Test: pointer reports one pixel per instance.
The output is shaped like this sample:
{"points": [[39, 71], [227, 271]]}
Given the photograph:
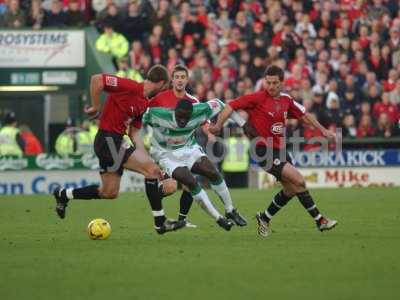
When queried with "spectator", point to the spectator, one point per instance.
{"points": [[162, 16], [333, 114], [55, 17], [112, 42], [74, 15], [376, 63], [373, 94], [136, 55], [350, 104], [109, 15], [125, 71], [385, 107], [371, 80], [32, 143], [349, 127], [394, 95], [305, 25], [384, 127], [135, 25], [14, 17], [390, 84], [36, 15], [365, 129], [194, 28]]}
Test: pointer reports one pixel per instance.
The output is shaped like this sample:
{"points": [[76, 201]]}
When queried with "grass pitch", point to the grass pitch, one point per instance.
{"points": [[43, 257]]}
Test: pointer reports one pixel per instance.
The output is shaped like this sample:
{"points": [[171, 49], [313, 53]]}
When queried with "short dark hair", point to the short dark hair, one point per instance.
{"points": [[274, 71], [158, 73], [184, 104], [9, 118], [180, 68]]}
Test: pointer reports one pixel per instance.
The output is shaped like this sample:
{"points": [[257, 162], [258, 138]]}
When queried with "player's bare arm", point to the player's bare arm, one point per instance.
{"points": [[222, 117], [96, 87], [310, 119]]}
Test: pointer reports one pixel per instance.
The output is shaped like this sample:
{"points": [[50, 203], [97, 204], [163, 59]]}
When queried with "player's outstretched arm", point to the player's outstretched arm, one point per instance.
{"points": [[96, 87], [222, 117], [310, 119]]}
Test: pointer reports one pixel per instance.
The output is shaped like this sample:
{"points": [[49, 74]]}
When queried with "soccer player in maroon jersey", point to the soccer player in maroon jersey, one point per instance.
{"points": [[268, 110], [203, 166], [126, 102]]}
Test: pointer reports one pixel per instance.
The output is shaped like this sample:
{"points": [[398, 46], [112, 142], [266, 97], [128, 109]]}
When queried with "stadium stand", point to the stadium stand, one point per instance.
{"points": [[341, 57]]}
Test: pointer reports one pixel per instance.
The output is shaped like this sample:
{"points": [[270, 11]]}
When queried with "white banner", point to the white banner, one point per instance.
{"points": [[44, 48], [44, 182], [340, 177]]}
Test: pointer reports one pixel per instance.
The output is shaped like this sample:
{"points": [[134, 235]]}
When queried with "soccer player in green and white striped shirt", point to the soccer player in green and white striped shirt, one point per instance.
{"points": [[175, 149]]}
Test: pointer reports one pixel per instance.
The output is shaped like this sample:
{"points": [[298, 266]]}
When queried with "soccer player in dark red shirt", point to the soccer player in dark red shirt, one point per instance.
{"points": [[203, 166], [268, 110], [126, 103]]}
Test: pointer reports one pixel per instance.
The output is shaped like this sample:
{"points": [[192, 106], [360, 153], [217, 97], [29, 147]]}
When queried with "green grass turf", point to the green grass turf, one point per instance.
{"points": [[42, 257]]}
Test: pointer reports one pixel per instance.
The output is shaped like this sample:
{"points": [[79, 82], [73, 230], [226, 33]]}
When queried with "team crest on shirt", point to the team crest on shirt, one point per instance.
{"points": [[111, 81], [213, 104], [277, 128]]}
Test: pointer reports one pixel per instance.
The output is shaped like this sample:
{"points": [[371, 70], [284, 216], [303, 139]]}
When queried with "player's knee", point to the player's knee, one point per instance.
{"points": [[153, 171]]}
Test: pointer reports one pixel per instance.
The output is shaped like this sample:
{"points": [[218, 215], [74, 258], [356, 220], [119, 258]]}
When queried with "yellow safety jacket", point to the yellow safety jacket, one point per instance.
{"points": [[8, 141], [237, 158], [117, 45], [65, 143], [93, 128], [130, 74]]}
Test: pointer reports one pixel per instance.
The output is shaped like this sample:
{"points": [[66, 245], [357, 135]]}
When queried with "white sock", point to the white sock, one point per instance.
{"points": [[205, 203], [69, 193], [223, 193]]}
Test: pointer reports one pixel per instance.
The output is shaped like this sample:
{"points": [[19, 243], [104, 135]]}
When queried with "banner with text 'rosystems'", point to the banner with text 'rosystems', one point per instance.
{"points": [[44, 48]]}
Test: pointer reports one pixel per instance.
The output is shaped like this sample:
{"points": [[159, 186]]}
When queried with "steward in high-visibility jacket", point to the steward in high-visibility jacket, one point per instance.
{"points": [[125, 71], [74, 142], [11, 142], [237, 158], [236, 162], [8, 141], [112, 42]]}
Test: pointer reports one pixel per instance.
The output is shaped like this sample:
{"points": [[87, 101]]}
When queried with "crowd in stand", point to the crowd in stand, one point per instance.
{"points": [[342, 58]]}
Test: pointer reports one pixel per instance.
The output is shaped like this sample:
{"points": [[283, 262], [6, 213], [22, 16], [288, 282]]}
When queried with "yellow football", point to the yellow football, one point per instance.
{"points": [[99, 229]]}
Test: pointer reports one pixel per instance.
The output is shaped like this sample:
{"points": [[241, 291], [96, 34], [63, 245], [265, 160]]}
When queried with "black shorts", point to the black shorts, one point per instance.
{"points": [[274, 164], [105, 144]]}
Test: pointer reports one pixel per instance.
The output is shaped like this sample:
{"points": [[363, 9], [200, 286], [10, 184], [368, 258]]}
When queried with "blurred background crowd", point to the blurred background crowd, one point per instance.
{"points": [[342, 58]]}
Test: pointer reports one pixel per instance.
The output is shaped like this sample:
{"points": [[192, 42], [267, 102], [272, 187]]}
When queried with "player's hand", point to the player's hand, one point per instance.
{"points": [[214, 129], [330, 135], [92, 112]]}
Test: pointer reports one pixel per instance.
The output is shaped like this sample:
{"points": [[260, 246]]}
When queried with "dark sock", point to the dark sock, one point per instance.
{"points": [[185, 205], [153, 194], [279, 201], [308, 203], [84, 193]]}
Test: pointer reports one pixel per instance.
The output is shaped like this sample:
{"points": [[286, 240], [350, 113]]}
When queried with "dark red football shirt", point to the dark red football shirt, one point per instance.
{"points": [[124, 106], [268, 115], [168, 99]]}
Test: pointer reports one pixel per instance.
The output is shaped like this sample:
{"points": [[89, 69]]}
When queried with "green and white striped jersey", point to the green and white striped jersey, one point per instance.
{"points": [[167, 134]]}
